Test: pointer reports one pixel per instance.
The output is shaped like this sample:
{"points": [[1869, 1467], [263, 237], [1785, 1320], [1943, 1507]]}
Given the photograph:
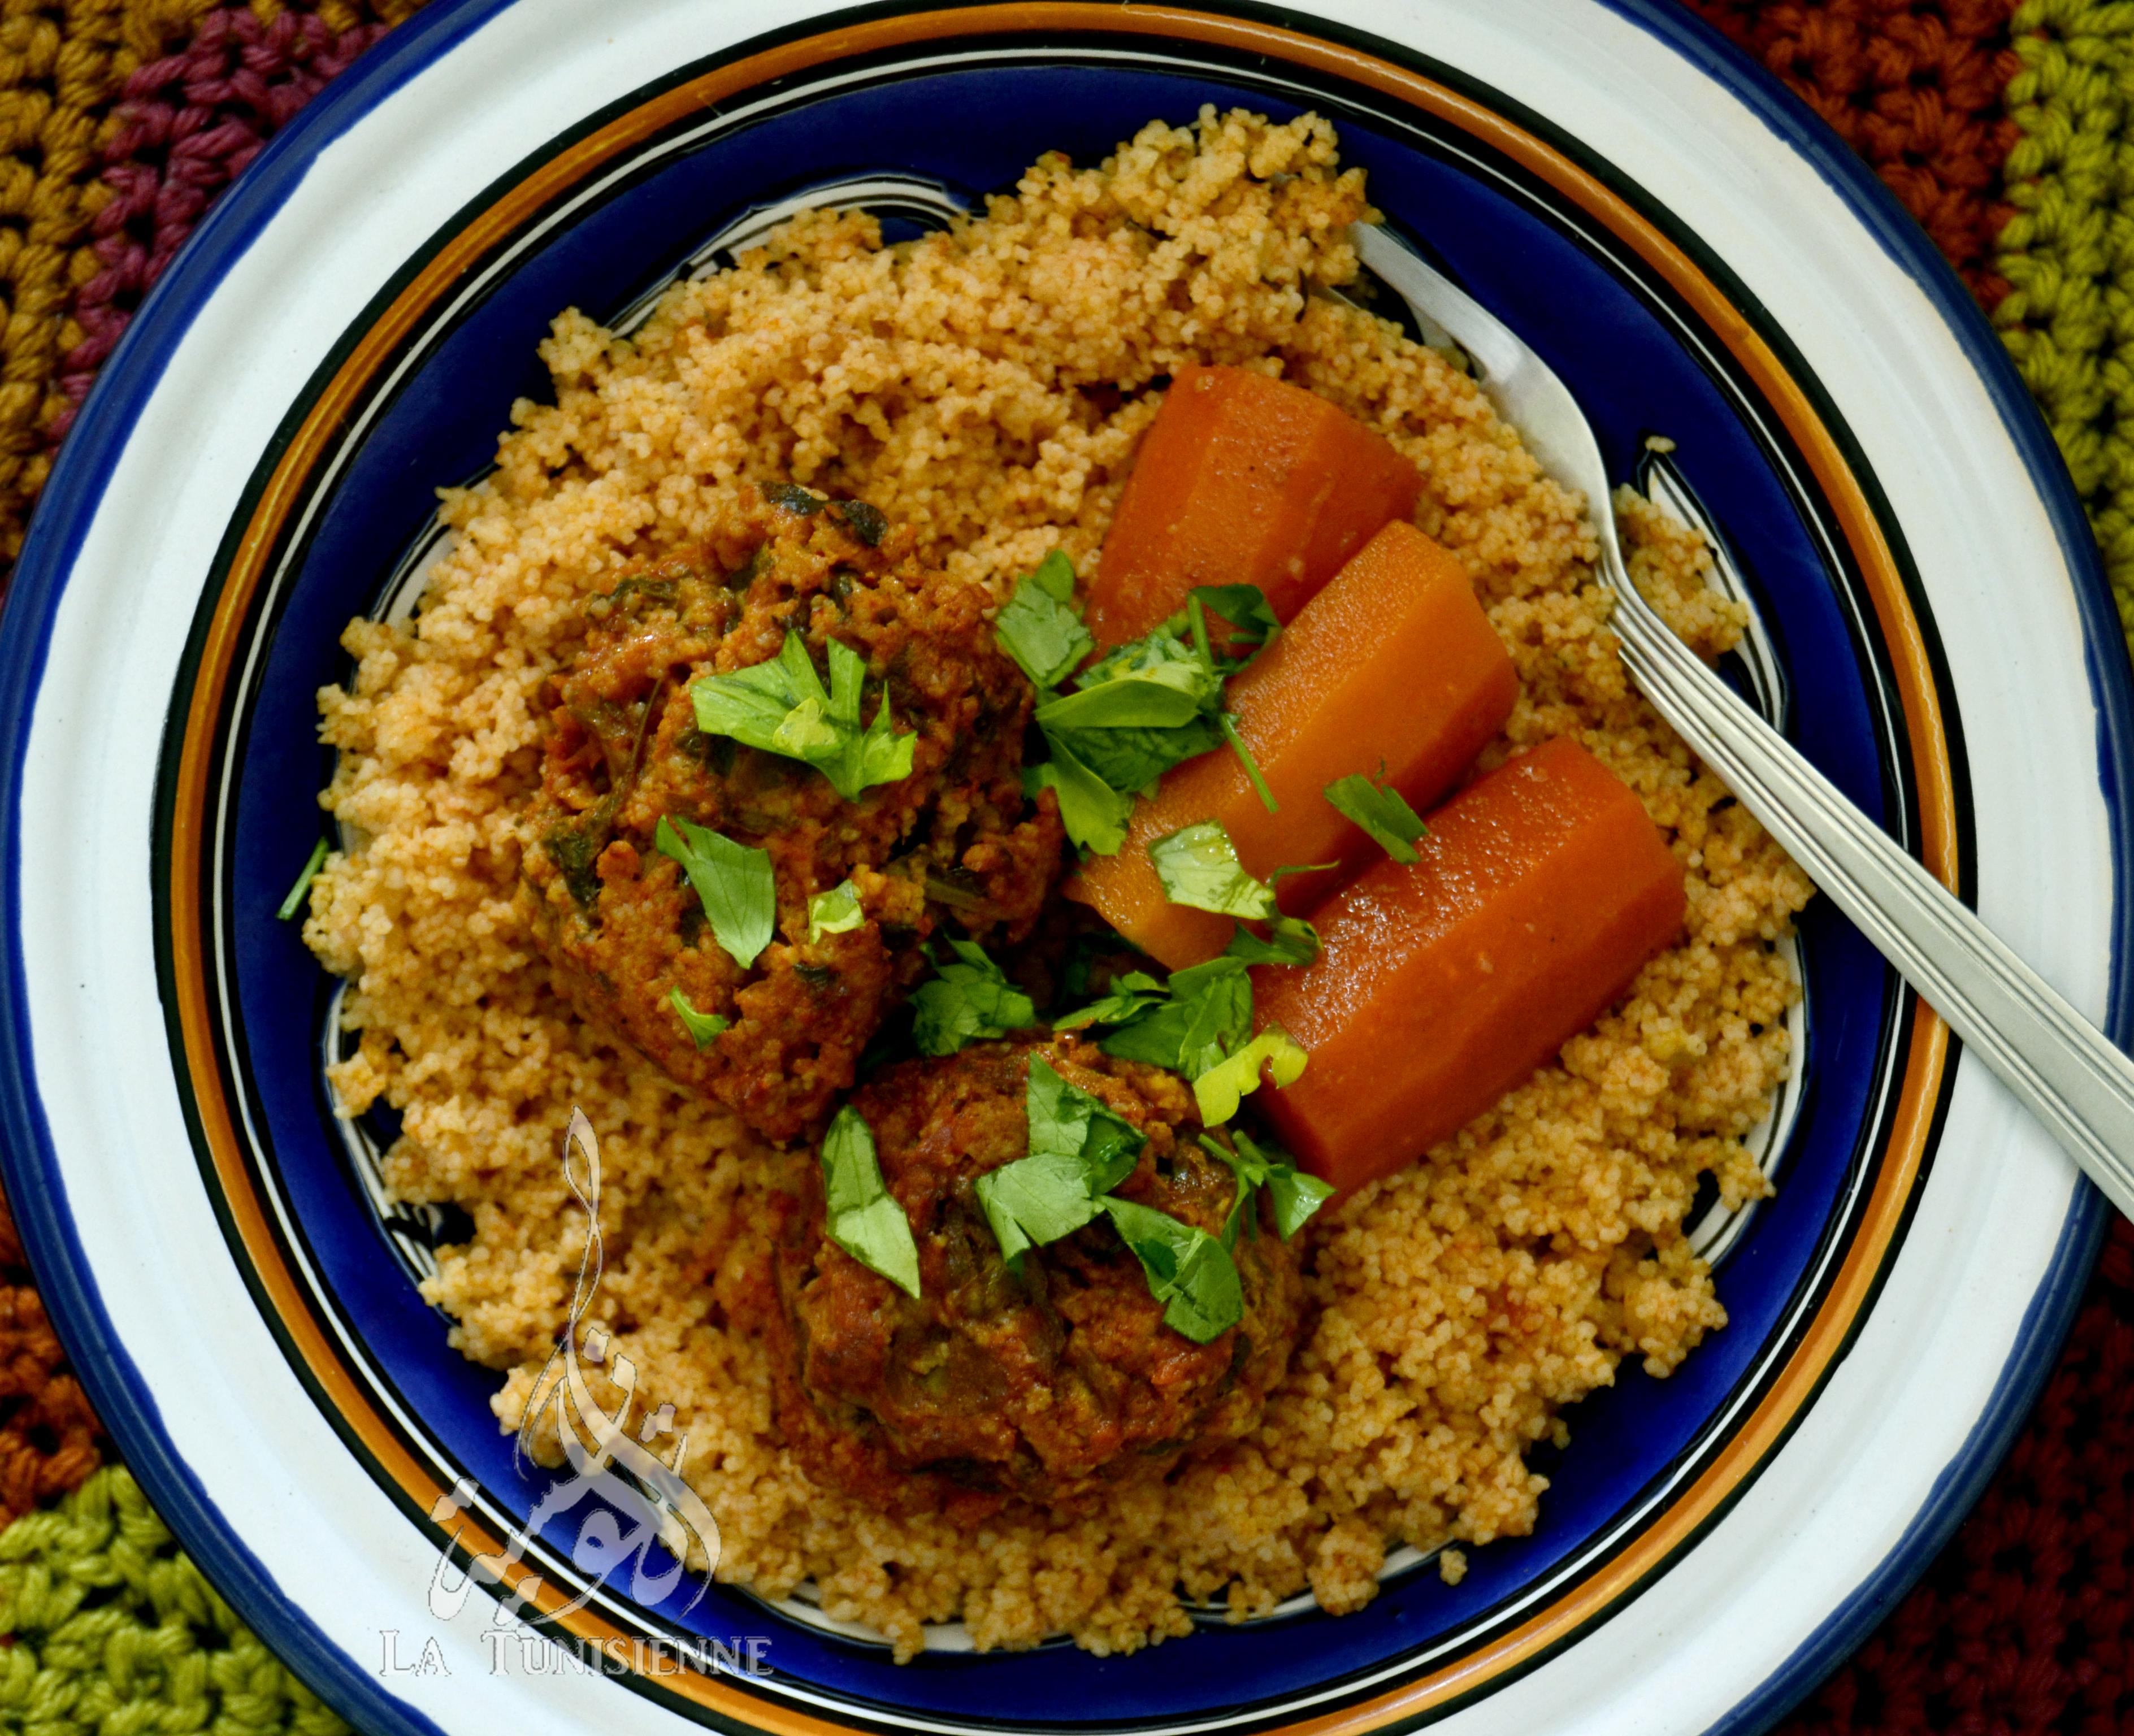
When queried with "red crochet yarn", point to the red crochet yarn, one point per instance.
{"points": [[188, 124], [1915, 88]]}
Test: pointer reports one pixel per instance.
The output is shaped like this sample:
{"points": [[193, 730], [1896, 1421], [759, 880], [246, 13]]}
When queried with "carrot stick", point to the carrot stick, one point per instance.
{"points": [[1393, 668], [1542, 891], [1241, 480]]}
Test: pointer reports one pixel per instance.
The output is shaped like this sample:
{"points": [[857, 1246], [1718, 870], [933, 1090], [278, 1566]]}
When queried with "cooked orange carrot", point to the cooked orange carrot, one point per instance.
{"points": [[1241, 480], [1543, 890], [1393, 665]]}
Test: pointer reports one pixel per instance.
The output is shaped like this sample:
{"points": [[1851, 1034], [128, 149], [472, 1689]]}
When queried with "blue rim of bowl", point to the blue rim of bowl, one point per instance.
{"points": [[75, 493]]}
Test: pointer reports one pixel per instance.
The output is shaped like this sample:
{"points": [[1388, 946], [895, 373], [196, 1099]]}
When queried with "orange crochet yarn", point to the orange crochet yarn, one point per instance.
{"points": [[50, 1441]]}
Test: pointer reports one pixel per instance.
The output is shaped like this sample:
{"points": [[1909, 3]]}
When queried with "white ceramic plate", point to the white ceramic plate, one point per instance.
{"points": [[254, 1354]]}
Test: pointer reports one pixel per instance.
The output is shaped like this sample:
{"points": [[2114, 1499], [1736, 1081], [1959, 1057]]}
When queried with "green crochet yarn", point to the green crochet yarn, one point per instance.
{"points": [[2069, 253], [115, 1632]]}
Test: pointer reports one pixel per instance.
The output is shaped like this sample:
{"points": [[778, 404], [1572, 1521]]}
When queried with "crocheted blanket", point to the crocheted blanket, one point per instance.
{"points": [[2005, 131]]}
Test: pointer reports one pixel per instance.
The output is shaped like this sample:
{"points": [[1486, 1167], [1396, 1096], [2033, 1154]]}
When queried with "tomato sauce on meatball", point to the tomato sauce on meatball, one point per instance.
{"points": [[1050, 1385], [620, 923]]}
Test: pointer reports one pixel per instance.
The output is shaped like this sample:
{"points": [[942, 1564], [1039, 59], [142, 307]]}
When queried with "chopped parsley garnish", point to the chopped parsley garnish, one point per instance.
{"points": [[295, 901], [835, 911], [1079, 1152], [793, 499], [1189, 1271], [1199, 866], [1094, 813], [869, 523], [1207, 1012], [1153, 683], [702, 1027], [1381, 811], [734, 882], [1199, 1023], [861, 1215], [1217, 1090], [1137, 711], [1245, 607], [1294, 1195], [1038, 627], [1288, 940], [781, 707], [1228, 725], [1128, 761], [1130, 993], [968, 999]]}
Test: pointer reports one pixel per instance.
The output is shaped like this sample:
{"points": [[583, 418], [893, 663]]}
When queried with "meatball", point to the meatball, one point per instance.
{"points": [[619, 922], [1051, 1385]]}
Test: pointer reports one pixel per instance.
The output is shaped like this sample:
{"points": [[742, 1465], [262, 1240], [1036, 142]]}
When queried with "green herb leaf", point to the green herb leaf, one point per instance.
{"points": [[1130, 993], [835, 911], [1157, 681], [1228, 725], [1067, 1121], [1209, 1010], [1079, 1151], [294, 902], [1245, 607], [751, 704], [1294, 1195], [1188, 1270], [1250, 1172], [702, 1027], [861, 1215], [1199, 866], [1156, 699], [1219, 1089], [1035, 1200], [1094, 814], [869, 523], [734, 881], [1382, 812], [1137, 712], [793, 499], [1038, 627], [1289, 940], [1128, 760], [781, 707], [967, 999]]}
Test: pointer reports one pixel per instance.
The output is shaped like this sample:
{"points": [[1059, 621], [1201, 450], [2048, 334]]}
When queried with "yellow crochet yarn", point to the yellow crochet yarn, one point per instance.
{"points": [[116, 1632], [2068, 253]]}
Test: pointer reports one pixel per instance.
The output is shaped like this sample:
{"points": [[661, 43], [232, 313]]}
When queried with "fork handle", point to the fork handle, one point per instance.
{"points": [[2063, 1069]]}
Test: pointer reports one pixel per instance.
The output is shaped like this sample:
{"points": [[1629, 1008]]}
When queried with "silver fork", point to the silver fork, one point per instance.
{"points": [[2065, 1070]]}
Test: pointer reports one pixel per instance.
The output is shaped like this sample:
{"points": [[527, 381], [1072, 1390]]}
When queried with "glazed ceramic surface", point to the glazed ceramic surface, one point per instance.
{"points": [[349, 332]]}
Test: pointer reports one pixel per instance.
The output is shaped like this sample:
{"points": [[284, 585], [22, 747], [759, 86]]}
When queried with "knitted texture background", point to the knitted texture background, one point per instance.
{"points": [[49, 1439], [116, 1632], [1916, 89], [2068, 251], [119, 120], [2005, 131]]}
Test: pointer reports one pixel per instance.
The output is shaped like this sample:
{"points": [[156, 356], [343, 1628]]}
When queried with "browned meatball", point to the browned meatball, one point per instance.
{"points": [[1052, 1386], [618, 921]]}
